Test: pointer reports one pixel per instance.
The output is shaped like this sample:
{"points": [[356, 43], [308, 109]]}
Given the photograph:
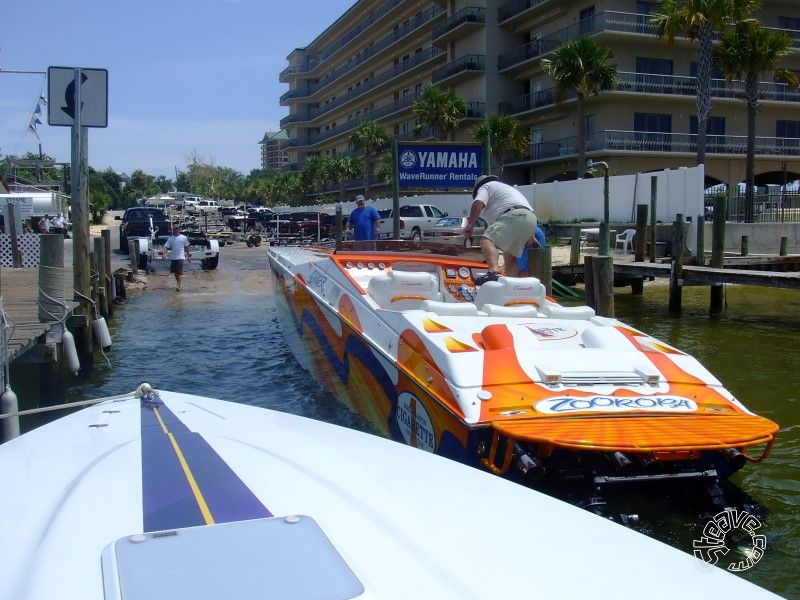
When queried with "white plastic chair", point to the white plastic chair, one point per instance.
{"points": [[626, 239]]}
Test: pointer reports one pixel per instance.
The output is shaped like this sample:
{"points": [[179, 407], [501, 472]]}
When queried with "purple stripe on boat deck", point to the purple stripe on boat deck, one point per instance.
{"points": [[168, 501]]}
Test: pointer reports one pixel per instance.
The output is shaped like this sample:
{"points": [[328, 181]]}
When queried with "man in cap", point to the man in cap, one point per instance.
{"points": [[363, 220], [510, 219]]}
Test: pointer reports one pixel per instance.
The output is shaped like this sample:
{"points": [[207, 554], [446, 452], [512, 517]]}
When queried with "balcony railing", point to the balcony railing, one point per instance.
{"points": [[377, 48], [475, 110], [516, 7], [470, 62], [656, 141], [402, 68], [647, 83], [470, 14], [607, 21]]}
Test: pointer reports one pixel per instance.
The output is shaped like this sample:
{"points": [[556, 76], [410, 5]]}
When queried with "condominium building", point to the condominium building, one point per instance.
{"points": [[376, 58], [273, 152]]}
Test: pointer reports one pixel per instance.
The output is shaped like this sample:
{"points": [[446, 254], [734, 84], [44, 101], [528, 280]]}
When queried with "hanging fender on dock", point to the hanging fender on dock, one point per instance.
{"points": [[71, 352], [101, 333]]}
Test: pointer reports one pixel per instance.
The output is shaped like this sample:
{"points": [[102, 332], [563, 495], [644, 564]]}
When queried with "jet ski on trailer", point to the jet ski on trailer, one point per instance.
{"points": [[503, 377]]}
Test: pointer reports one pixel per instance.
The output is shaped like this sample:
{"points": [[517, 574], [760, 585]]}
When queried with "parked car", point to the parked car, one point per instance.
{"points": [[415, 219], [450, 230], [136, 222]]}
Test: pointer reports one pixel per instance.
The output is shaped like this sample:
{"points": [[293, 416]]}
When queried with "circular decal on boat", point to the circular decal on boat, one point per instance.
{"points": [[414, 422]]}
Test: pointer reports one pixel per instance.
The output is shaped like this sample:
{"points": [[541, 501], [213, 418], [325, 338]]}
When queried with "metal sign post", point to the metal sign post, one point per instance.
{"points": [[79, 99]]}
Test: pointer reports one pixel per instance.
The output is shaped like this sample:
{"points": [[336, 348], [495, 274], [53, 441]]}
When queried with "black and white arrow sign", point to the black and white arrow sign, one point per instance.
{"points": [[61, 86]]}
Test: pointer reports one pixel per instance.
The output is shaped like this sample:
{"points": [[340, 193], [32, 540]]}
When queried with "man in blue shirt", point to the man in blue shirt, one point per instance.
{"points": [[363, 221]]}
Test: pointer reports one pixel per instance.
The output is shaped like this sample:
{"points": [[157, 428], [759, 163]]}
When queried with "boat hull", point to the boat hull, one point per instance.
{"points": [[639, 410]]}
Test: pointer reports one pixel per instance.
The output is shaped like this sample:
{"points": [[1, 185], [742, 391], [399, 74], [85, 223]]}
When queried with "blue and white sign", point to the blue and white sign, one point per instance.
{"points": [[438, 165]]}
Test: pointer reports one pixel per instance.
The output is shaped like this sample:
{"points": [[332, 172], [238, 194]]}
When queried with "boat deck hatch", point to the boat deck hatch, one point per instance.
{"points": [[283, 557]]}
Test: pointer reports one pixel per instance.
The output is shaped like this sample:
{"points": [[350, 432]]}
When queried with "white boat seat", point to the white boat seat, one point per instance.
{"points": [[454, 309], [401, 290], [512, 291], [556, 311], [519, 311]]}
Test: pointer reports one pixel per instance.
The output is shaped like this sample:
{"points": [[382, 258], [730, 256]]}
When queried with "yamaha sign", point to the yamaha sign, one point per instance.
{"points": [[438, 165]]}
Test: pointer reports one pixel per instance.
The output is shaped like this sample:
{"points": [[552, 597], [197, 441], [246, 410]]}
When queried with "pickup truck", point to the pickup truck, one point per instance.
{"points": [[414, 220], [143, 221]]}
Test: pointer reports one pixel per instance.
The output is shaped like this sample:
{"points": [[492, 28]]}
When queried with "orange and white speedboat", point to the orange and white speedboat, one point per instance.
{"points": [[502, 376]]}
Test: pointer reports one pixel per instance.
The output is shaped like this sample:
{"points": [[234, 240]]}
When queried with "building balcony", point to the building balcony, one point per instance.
{"points": [[379, 47], [604, 22], [475, 110], [412, 64], [516, 8], [464, 20], [459, 69], [655, 142], [663, 85]]}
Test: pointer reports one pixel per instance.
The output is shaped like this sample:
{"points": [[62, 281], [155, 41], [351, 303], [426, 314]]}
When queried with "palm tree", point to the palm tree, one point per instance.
{"points": [[506, 138], [345, 168], [441, 111], [749, 52], [371, 140], [701, 21], [582, 66]]}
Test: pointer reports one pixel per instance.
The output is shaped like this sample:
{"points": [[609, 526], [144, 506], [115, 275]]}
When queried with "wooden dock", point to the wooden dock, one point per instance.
{"points": [[695, 275], [19, 289]]}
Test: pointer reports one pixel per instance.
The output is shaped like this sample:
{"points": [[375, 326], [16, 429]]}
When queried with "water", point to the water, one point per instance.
{"points": [[221, 338]]}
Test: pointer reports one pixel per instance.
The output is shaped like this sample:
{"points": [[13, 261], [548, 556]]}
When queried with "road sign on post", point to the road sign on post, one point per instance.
{"points": [[61, 88]]}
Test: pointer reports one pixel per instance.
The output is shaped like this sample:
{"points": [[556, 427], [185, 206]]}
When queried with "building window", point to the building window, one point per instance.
{"points": [[788, 133], [715, 132], [652, 131], [586, 21]]}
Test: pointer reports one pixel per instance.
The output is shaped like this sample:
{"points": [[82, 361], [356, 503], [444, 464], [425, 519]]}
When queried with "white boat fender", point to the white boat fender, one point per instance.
{"points": [[68, 341], [9, 404], [101, 333]]}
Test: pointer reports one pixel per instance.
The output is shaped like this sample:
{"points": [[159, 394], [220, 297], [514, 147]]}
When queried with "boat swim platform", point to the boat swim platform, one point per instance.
{"points": [[19, 290]]}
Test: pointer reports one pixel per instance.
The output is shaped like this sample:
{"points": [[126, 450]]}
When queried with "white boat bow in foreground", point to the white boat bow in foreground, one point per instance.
{"points": [[179, 496]]}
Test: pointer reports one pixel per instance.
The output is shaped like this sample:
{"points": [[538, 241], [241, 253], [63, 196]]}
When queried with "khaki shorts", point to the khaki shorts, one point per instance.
{"points": [[512, 231]]}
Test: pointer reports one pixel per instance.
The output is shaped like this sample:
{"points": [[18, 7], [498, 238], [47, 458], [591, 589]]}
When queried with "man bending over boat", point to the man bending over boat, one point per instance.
{"points": [[510, 219]]}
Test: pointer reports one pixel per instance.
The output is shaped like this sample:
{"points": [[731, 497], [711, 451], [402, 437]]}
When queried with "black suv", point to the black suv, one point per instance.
{"points": [[136, 223]]}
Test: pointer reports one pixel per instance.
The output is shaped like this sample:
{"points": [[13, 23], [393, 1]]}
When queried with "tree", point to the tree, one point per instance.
{"points": [[749, 52], [582, 66], [701, 21], [506, 138], [345, 168], [441, 111], [371, 140]]}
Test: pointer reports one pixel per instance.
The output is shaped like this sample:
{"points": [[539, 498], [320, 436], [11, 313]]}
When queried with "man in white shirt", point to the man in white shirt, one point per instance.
{"points": [[58, 224], [511, 222], [177, 248]]}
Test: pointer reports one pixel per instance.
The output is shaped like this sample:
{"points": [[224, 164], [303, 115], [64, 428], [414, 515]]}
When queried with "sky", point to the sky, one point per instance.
{"points": [[186, 78]]}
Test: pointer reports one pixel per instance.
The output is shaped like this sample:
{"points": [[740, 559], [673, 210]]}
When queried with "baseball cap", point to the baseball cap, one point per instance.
{"points": [[360, 198], [481, 180]]}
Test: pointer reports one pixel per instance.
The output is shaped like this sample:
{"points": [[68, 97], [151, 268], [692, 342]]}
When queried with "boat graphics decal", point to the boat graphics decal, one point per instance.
{"points": [[414, 422], [346, 365], [184, 481], [561, 405]]}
